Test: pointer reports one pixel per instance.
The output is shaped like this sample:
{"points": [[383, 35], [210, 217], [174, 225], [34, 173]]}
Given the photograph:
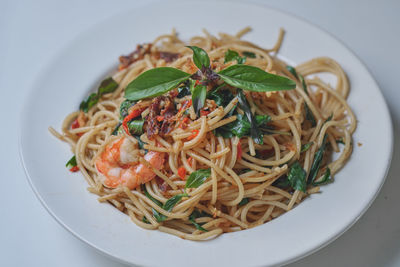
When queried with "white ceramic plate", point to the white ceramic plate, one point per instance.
{"points": [[82, 64]]}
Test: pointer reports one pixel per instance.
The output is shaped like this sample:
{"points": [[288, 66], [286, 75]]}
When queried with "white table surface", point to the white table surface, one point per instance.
{"points": [[31, 32]]}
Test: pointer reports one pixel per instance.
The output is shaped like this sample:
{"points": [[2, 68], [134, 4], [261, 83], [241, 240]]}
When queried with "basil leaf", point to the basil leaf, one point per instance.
{"points": [[107, 86], [183, 91], [244, 201], [197, 178], [92, 100], [159, 216], [124, 108], [71, 163], [200, 57], [340, 141], [255, 133], [116, 129], [155, 82], [309, 115], [317, 161], [282, 182], [231, 55], [221, 97], [140, 142], [144, 219], [136, 127], [306, 147], [170, 204], [241, 126], [297, 177], [249, 54], [192, 218], [199, 94], [325, 179], [293, 71], [254, 79]]}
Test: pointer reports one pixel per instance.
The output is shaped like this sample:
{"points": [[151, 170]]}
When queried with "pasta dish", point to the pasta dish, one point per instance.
{"points": [[211, 136]]}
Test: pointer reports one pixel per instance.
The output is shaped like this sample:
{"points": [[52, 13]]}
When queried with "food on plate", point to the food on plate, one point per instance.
{"points": [[211, 136]]}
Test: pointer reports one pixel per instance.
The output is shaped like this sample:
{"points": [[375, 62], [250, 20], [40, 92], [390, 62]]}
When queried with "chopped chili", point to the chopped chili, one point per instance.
{"points": [[75, 124], [195, 132], [204, 112], [74, 169], [182, 172]]}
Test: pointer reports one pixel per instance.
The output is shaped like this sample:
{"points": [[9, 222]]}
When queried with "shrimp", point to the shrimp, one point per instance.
{"points": [[118, 165]]}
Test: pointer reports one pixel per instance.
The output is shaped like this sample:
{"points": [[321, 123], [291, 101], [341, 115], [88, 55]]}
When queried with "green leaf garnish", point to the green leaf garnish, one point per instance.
{"points": [[124, 108], [197, 178], [107, 86], [255, 132], [71, 163], [297, 177], [136, 127], [200, 57], [244, 201], [249, 54], [306, 147], [116, 129], [170, 204], [231, 55], [199, 94], [192, 218], [155, 82], [254, 79], [317, 161], [326, 178]]}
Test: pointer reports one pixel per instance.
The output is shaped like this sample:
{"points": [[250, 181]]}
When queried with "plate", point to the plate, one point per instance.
{"points": [[71, 74]]}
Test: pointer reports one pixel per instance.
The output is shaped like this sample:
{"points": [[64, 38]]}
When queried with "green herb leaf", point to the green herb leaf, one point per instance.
{"points": [[155, 82], [136, 127], [254, 79], [241, 126], [124, 108], [200, 57], [317, 161], [170, 204], [309, 115], [297, 177], [255, 132], [249, 54], [221, 97], [197, 178], [293, 71], [325, 179], [282, 182], [231, 55], [159, 216], [192, 218], [306, 147], [116, 129], [92, 100], [107, 86], [340, 141], [244, 201], [183, 91], [140, 142], [144, 219], [199, 94], [71, 163]]}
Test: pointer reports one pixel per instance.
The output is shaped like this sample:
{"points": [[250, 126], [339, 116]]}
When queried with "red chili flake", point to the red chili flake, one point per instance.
{"points": [[195, 132], [75, 124], [182, 172], [160, 118], [184, 123], [74, 169], [204, 112]]}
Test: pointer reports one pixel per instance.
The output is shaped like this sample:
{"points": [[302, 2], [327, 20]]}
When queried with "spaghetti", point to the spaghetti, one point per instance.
{"points": [[199, 164]]}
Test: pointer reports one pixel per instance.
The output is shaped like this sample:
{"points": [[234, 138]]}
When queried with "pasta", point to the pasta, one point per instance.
{"points": [[210, 152]]}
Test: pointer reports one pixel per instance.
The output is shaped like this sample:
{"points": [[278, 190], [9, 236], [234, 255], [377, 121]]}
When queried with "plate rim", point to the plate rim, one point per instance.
{"points": [[47, 64]]}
